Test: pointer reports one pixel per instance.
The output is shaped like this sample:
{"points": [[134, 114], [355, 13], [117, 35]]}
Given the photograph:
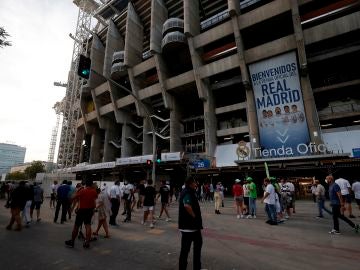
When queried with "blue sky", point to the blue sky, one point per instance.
{"points": [[41, 54]]}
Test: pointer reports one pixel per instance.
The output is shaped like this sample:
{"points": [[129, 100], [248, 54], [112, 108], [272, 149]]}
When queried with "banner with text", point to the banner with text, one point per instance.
{"points": [[279, 105]]}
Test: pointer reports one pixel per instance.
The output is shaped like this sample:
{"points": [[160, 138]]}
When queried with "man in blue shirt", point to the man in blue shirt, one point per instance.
{"points": [[62, 201], [337, 203]]}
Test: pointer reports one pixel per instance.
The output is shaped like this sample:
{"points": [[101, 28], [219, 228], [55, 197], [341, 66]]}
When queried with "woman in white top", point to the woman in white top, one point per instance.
{"points": [[103, 208]]}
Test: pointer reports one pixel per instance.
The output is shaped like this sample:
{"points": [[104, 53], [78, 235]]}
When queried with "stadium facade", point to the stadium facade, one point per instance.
{"points": [[227, 85]]}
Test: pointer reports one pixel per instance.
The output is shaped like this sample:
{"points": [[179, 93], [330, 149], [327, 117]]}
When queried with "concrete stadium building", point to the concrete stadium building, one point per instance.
{"points": [[228, 85]]}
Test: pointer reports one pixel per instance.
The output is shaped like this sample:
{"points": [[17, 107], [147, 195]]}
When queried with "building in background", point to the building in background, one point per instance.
{"points": [[229, 84], [10, 154]]}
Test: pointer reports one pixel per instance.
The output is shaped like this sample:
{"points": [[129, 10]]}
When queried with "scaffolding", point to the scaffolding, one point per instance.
{"points": [[69, 149], [58, 107]]}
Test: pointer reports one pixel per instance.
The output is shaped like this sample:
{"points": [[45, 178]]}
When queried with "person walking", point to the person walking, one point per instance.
{"points": [[269, 200], [128, 196], [190, 225], [37, 201], [320, 199], [53, 194], [337, 203], [141, 192], [238, 194], [164, 193], [217, 197], [115, 197], [103, 210], [345, 189], [356, 189], [62, 201], [17, 203], [246, 198], [86, 197], [149, 203], [252, 197], [29, 196]]}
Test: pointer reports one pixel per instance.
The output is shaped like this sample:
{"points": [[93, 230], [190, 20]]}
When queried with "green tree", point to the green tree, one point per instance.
{"points": [[34, 168], [3, 36], [16, 176]]}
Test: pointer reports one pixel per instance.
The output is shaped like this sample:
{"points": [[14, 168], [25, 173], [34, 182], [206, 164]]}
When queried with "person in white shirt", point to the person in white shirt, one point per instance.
{"points": [[345, 189], [128, 196], [115, 196], [269, 200], [320, 197], [53, 194], [356, 189]]}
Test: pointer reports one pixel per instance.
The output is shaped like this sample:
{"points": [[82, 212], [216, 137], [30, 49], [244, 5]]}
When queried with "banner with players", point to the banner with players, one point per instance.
{"points": [[279, 105]]}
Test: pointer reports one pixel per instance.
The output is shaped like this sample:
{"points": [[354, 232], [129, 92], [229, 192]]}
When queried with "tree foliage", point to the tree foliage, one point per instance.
{"points": [[16, 176], [34, 168], [3, 38]]}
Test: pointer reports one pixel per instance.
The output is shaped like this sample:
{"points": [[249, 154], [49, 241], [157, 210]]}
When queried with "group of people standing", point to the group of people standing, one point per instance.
{"points": [[279, 199], [245, 195]]}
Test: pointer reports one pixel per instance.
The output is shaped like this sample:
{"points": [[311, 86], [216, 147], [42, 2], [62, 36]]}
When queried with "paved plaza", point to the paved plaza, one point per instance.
{"points": [[302, 242]]}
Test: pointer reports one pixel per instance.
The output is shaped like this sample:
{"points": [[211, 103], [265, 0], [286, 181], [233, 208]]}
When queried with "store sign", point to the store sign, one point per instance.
{"points": [[356, 152], [201, 164], [174, 156], [96, 166], [279, 105]]}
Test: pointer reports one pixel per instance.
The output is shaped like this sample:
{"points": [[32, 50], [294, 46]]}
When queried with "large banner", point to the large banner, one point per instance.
{"points": [[279, 106]]}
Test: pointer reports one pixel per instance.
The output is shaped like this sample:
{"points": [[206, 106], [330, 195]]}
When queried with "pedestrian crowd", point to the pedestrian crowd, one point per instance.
{"points": [[87, 199]]}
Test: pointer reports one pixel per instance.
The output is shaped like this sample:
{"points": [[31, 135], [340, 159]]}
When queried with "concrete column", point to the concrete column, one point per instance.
{"points": [[252, 117], [159, 15], [176, 128], [83, 111], [127, 147], [234, 7], [134, 38], [114, 42], [95, 146], [206, 95], [135, 88], [191, 18], [100, 119], [196, 62], [210, 125], [81, 158], [308, 95], [147, 138], [162, 75], [109, 149], [97, 55], [121, 116], [250, 98]]}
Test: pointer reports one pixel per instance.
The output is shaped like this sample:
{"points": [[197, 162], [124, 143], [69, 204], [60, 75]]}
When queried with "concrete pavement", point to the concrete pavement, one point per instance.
{"points": [[302, 242]]}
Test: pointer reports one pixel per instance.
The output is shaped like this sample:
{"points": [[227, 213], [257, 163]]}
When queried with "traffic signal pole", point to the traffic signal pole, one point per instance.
{"points": [[147, 115]]}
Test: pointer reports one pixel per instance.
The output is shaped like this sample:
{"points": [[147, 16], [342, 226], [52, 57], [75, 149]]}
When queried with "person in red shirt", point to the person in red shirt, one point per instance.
{"points": [[238, 194], [87, 202]]}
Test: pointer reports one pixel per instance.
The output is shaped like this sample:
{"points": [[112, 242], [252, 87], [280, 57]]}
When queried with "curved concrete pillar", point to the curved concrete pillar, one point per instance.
{"points": [[191, 18], [159, 15], [114, 42]]}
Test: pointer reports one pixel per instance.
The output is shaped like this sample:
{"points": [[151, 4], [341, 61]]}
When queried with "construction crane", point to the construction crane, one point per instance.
{"points": [[58, 107], [69, 150]]}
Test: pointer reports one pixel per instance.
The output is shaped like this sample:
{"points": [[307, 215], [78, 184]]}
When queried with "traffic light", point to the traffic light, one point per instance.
{"points": [[84, 67], [148, 162], [158, 155]]}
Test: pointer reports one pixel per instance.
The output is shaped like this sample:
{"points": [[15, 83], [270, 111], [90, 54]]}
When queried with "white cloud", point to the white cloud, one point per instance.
{"points": [[41, 54]]}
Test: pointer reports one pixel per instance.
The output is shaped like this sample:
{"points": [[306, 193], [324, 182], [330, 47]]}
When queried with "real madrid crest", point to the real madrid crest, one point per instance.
{"points": [[242, 150]]}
